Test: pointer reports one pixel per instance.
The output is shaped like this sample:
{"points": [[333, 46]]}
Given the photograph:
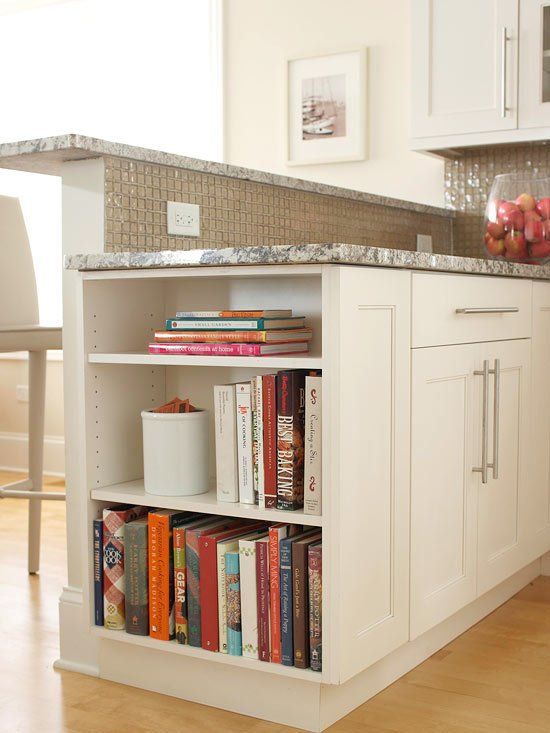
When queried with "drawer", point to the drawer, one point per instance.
{"points": [[463, 309]]}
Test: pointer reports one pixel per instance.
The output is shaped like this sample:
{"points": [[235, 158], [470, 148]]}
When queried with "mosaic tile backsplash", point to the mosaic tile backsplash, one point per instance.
{"points": [[237, 212], [468, 181]]}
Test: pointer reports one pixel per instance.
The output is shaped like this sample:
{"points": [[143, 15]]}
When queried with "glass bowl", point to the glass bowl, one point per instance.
{"points": [[517, 219]]}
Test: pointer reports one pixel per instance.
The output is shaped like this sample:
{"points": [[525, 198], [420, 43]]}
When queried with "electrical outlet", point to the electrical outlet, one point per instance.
{"points": [[183, 219], [22, 393], [424, 243]]}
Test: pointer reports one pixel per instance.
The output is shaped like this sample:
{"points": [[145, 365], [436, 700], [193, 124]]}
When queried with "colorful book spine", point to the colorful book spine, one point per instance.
{"points": [[315, 578], [222, 549], [228, 349], [244, 443], [98, 571], [180, 586], [114, 521], [290, 439], [276, 533], [231, 324], [258, 426], [137, 595], [300, 601], [235, 314], [270, 439], [262, 585], [225, 424], [249, 601], [233, 594], [254, 337], [161, 574], [287, 637], [312, 457]]}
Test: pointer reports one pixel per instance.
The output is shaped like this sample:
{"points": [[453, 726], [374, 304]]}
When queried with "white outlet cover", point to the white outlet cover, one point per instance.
{"points": [[424, 243], [183, 219]]}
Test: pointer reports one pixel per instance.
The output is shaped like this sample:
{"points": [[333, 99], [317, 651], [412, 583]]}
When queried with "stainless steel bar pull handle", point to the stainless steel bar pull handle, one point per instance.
{"points": [[484, 420], [496, 417], [504, 72], [497, 309]]}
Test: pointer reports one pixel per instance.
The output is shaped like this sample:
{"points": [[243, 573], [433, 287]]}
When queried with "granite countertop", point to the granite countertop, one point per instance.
{"points": [[47, 154], [337, 254]]}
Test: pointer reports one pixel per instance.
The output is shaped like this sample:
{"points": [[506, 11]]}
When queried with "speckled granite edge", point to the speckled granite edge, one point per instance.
{"points": [[45, 155], [338, 254]]}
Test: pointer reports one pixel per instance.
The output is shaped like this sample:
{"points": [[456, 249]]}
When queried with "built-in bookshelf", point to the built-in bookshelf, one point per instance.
{"points": [[311, 361]]}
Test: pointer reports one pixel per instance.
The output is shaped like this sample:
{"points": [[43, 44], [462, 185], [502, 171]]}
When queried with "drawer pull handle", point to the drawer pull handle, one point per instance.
{"points": [[485, 465], [504, 309]]}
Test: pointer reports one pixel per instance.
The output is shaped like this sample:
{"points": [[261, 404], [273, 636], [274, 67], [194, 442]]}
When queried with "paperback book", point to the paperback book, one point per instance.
{"points": [[249, 597], [315, 571], [233, 594], [244, 443], [233, 324], [235, 314], [280, 336], [229, 349], [97, 530], [225, 430], [137, 593], [300, 601]]}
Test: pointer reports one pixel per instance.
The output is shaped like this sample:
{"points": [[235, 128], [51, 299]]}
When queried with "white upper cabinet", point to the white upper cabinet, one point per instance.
{"points": [[464, 66], [534, 63]]}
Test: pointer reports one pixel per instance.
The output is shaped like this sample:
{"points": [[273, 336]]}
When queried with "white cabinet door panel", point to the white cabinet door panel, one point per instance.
{"points": [[463, 72], [534, 63]]}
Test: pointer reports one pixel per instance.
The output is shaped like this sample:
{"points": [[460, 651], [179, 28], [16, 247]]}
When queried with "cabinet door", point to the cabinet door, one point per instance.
{"points": [[538, 450], [464, 71], [367, 503], [503, 504], [445, 432], [534, 63]]}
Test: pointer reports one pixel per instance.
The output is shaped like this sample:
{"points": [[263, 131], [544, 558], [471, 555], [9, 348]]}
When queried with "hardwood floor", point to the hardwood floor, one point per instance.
{"points": [[494, 678]]}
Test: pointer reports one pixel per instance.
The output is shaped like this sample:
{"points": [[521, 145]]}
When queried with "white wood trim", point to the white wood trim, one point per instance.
{"points": [[14, 453], [24, 355], [287, 361]]}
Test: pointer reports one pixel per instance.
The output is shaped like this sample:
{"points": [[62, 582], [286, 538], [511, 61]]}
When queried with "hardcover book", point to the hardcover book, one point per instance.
{"points": [[313, 463], [180, 576], [244, 443], [231, 545], [249, 601], [315, 573], [233, 594], [277, 532], [287, 611], [208, 569], [290, 439], [193, 574], [274, 337], [300, 600], [262, 590], [114, 521], [225, 428], [235, 314], [98, 571], [137, 593], [161, 572], [232, 324], [229, 349], [258, 440], [270, 439]]}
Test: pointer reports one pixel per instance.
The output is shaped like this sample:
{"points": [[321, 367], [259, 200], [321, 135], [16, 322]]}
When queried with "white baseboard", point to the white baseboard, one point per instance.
{"points": [[14, 453]]}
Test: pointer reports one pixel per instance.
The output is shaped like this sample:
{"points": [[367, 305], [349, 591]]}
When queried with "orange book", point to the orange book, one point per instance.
{"points": [[277, 532], [161, 572], [278, 336]]}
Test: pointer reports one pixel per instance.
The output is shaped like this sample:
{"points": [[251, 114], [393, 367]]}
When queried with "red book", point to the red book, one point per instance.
{"points": [[262, 597], [277, 532], [269, 389], [208, 568], [229, 349]]}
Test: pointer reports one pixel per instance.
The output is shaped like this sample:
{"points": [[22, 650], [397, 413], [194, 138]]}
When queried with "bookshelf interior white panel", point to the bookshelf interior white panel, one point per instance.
{"points": [[261, 362]]}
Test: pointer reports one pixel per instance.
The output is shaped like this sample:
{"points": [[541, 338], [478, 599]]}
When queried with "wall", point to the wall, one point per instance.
{"points": [[261, 36], [14, 417]]}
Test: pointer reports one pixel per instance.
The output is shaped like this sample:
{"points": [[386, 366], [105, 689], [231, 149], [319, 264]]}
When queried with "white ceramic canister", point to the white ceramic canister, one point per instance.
{"points": [[175, 453]]}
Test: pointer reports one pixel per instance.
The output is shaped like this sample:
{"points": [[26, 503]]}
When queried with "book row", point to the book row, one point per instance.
{"points": [[232, 586], [233, 333], [268, 441]]}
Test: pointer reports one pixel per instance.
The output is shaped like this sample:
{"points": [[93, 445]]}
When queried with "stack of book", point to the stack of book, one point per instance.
{"points": [[233, 333], [268, 441], [232, 586]]}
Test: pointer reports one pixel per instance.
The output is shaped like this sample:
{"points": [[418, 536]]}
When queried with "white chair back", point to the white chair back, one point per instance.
{"points": [[18, 299]]}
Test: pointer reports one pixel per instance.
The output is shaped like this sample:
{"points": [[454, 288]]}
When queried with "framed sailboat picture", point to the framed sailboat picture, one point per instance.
{"points": [[326, 108]]}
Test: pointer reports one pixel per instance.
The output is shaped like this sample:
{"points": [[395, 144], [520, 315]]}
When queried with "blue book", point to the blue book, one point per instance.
{"points": [[233, 601], [287, 637], [233, 324], [98, 571]]}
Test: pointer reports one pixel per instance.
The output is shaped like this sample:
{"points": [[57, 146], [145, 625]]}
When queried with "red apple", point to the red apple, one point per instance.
{"points": [[526, 202], [533, 229], [495, 246], [505, 207], [546, 229], [516, 246], [540, 250], [493, 207], [543, 207], [496, 229], [514, 220]]}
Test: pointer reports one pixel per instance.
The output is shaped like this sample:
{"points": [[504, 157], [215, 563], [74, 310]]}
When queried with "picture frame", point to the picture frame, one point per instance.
{"points": [[326, 108]]}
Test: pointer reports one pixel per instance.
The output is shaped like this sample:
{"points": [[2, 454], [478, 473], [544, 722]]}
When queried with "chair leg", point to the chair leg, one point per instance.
{"points": [[37, 397]]}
